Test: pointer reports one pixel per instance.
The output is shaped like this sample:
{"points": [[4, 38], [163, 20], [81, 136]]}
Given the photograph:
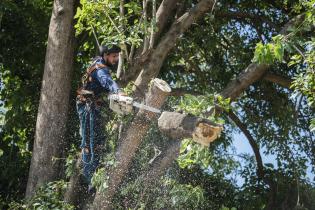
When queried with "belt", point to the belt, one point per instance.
{"points": [[97, 101]]}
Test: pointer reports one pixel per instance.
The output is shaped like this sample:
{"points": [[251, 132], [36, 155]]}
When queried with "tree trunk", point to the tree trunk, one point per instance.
{"points": [[53, 106], [182, 126], [131, 141]]}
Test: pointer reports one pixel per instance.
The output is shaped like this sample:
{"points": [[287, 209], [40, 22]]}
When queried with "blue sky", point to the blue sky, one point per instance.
{"points": [[242, 146]]}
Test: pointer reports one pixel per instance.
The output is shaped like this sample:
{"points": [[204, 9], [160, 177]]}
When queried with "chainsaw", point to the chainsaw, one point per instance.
{"points": [[125, 105]]}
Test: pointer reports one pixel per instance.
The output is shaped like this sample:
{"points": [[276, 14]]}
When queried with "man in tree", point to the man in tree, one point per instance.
{"points": [[97, 81]]}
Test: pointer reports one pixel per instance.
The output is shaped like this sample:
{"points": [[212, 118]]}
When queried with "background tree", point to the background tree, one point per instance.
{"points": [[53, 106]]}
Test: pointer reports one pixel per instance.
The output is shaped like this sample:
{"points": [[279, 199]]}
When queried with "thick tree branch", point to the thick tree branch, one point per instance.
{"points": [[254, 71], [247, 77], [181, 126], [251, 140], [280, 80], [163, 15], [168, 42]]}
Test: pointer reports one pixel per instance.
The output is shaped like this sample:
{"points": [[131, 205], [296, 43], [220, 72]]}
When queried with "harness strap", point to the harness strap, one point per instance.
{"points": [[90, 70], [81, 92]]}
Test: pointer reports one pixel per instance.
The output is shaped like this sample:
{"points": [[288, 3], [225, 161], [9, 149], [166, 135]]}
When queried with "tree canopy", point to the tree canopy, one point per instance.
{"points": [[248, 65]]}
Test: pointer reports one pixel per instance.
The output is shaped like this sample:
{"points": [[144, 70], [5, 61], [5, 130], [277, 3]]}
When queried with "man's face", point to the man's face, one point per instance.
{"points": [[112, 58]]}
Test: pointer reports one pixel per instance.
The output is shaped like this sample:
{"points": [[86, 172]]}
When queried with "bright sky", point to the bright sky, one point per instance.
{"points": [[242, 146]]}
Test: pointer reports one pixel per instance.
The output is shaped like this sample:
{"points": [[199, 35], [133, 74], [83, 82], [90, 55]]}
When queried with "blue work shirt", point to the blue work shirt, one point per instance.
{"points": [[102, 80]]}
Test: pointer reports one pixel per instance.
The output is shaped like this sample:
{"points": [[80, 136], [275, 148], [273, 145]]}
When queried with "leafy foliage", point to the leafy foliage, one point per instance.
{"points": [[49, 196], [23, 36], [304, 80], [103, 17]]}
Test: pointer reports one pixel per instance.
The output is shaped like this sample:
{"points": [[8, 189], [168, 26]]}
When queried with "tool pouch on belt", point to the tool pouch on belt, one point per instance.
{"points": [[84, 95]]}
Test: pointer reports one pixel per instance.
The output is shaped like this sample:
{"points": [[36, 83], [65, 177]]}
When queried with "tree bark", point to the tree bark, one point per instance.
{"points": [[131, 141], [181, 126], [163, 15], [247, 77], [53, 106], [167, 43], [280, 80]]}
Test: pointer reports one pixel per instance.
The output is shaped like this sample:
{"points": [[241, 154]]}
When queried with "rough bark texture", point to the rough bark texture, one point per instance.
{"points": [[53, 106], [163, 15], [131, 140], [247, 77], [182, 126], [167, 43]]}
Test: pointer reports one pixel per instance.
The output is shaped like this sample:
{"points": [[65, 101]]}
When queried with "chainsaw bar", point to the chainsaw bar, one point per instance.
{"points": [[148, 108]]}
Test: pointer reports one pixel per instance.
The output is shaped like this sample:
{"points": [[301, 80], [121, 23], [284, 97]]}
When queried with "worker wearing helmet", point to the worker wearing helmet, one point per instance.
{"points": [[96, 81]]}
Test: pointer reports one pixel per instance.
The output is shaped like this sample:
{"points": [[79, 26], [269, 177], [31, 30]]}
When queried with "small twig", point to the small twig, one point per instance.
{"points": [[95, 36], [117, 29], [153, 24], [132, 50], [146, 40], [299, 51], [111, 20], [213, 6], [157, 153]]}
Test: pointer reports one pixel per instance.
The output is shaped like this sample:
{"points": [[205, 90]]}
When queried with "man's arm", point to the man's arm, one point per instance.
{"points": [[106, 81]]}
